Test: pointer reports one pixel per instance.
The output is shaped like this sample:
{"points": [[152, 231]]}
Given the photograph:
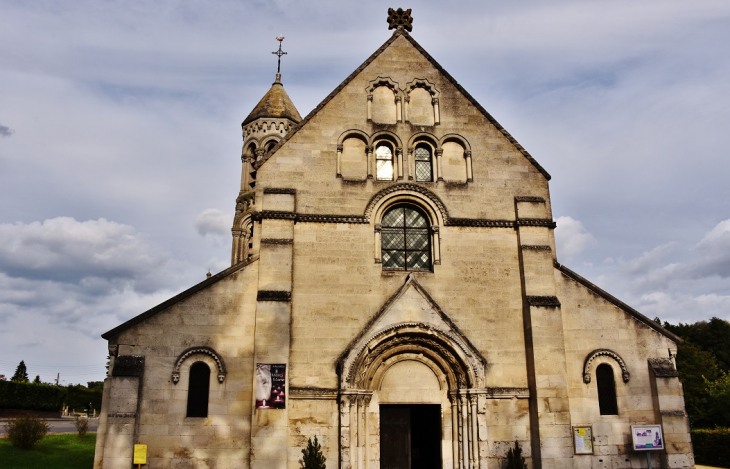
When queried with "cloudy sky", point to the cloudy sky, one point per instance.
{"points": [[120, 143]]}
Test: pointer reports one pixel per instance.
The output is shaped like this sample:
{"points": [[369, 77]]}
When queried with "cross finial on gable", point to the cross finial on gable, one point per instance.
{"points": [[279, 53], [400, 19]]}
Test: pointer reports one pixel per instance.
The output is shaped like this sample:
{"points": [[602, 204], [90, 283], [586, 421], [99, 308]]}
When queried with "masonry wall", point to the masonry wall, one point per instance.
{"points": [[220, 317]]}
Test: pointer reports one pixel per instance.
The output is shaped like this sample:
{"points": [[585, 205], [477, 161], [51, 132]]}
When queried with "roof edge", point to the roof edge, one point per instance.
{"points": [[177, 298], [618, 303], [429, 58]]}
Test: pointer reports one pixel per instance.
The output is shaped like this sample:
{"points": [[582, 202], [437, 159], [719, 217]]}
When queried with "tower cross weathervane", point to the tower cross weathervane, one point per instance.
{"points": [[279, 53]]}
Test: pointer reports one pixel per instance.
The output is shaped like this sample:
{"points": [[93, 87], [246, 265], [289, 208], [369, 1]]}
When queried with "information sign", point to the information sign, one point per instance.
{"points": [[582, 439], [140, 454], [647, 437]]}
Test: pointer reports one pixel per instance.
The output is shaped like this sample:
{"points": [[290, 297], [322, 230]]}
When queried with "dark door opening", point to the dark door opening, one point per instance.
{"points": [[410, 437]]}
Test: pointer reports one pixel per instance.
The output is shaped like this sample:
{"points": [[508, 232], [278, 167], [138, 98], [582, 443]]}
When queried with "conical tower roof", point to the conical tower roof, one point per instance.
{"points": [[275, 103]]}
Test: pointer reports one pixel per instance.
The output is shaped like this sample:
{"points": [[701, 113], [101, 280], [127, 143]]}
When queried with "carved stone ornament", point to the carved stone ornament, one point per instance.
{"points": [[199, 350], [625, 375], [400, 19]]}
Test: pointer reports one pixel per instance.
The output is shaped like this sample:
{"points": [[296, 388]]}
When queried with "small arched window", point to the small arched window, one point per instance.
{"points": [[406, 241], [198, 390], [384, 161], [424, 163], [606, 390], [271, 145]]}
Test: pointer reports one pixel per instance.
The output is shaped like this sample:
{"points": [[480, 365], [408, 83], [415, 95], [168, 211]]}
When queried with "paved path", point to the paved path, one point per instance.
{"points": [[60, 425]]}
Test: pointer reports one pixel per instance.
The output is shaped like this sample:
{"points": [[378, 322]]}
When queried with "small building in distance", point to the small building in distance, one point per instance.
{"points": [[394, 290]]}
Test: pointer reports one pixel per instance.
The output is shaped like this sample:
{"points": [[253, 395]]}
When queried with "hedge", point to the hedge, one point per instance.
{"points": [[79, 397], [31, 396], [712, 446]]}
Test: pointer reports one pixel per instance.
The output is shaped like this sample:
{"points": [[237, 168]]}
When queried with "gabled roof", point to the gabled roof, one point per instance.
{"points": [[177, 298], [618, 303], [275, 103], [397, 33]]}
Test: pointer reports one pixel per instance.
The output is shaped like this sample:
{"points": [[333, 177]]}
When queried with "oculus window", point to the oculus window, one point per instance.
{"points": [[424, 169], [606, 390], [384, 162], [406, 243], [198, 390]]}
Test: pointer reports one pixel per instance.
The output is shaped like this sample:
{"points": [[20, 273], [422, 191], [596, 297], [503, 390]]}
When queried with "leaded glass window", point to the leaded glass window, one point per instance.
{"points": [[424, 172], [406, 241], [384, 162]]}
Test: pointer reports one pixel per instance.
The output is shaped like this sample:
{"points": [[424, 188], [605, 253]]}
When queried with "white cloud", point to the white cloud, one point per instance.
{"points": [[715, 247], [214, 222], [571, 237]]}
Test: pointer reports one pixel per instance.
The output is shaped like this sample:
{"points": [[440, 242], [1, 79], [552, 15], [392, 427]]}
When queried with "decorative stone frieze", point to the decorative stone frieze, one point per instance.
{"points": [[192, 351], [625, 375], [273, 295]]}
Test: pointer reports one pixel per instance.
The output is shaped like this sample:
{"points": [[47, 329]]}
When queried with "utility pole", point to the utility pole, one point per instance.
{"points": [[58, 375]]}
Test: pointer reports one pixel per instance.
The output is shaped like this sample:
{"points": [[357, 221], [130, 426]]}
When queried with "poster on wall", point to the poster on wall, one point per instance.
{"points": [[647, 437], [583, 439], [270, 386]]}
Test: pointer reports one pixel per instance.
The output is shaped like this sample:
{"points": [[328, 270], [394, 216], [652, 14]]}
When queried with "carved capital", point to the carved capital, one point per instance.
{"points": [[399, 151], [434, 228], [467, 154], [370, 97], [369, 149], [439, 152], [339, 147], [378, 228], [434, 101]]}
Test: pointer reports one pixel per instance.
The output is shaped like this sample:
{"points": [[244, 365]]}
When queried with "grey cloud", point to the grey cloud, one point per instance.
{"points": [[6, 131], [715, 247], [571, 237], [65, 250]]}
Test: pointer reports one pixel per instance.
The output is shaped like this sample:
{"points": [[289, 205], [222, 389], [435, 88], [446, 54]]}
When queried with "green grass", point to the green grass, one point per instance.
{"points": [[52, 452]]}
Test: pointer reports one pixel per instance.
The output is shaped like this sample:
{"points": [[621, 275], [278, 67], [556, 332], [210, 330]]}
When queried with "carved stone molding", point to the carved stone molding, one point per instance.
{"points": [[604, 353], [274, 190], [528, 247], [330, 219], [404, 187], [274, 215], [663, 367], [306, 392], [121, 415], [273, 295], [281, 241], [479, 222], [537, 200], [544, 301], [199, 351], [546, 222], [128, 365]]}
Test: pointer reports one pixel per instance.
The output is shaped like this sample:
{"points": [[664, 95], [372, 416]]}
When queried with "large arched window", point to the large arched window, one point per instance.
{"points": [[606, 390], [198, 390], [384, 161], [405, 239]]}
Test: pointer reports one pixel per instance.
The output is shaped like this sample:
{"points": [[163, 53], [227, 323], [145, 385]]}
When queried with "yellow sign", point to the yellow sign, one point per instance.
{"points": [[140, 454]]}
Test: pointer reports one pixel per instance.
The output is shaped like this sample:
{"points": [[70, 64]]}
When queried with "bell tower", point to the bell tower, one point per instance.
{"points": [[262, 130]]}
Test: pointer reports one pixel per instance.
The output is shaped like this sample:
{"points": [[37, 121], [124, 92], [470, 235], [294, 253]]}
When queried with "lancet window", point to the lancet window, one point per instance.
{"points": [[198, 390]]}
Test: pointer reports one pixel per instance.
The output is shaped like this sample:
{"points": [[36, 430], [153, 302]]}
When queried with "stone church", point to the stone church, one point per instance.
{"points": [[395, 291]]}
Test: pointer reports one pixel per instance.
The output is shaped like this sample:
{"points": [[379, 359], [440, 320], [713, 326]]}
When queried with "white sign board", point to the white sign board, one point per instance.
{"points": [[647, 437]]}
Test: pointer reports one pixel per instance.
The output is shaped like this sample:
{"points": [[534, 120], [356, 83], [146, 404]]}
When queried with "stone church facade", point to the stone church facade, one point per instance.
{"points": [[394, 291]]}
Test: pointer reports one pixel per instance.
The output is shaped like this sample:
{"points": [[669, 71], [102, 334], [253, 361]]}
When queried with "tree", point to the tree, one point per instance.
{"points": [[21, 373], [312, 457], [719, 397], [515, 460], [37, 379]]}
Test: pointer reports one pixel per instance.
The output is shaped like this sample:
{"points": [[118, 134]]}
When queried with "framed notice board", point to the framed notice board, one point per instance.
{"points": [[647, 437], [582, 439]]}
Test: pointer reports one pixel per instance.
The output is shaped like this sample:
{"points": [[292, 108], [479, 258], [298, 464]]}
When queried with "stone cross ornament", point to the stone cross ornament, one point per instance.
{"points": [[400, 18]]}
